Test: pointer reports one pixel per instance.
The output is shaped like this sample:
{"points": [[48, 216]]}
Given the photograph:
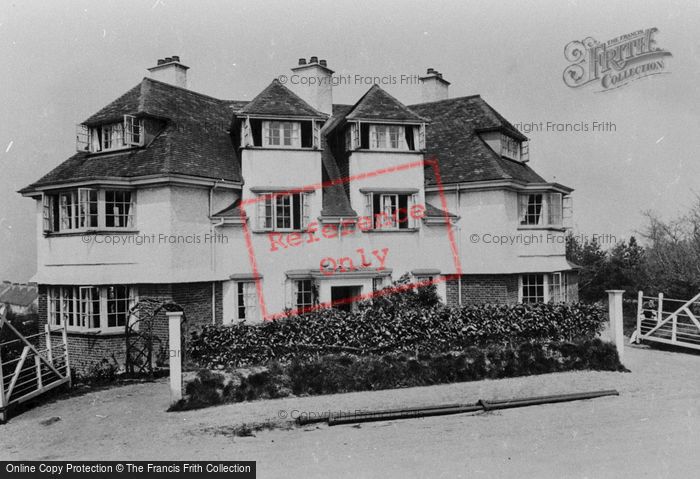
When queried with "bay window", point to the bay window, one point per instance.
{"points": [[87, 209], [91, 309], [543, 209], [543, 288]]}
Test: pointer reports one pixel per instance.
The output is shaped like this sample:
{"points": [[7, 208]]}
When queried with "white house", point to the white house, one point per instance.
{"points": [[239, 210]]}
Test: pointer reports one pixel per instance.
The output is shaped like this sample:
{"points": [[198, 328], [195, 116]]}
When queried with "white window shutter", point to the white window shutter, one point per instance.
{"points": [[260, 212], [82, 138], [132, 131], [373, 140], [421, 137], [555, 209], [355, 133], [413, 222], [368, 206], [567, 212], [522, 207], [305, 209], [317, 135], [266, 133], [46, 201]]}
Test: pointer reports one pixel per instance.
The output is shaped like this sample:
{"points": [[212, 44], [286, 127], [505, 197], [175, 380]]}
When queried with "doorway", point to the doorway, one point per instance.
{"points": [[340, 297]]}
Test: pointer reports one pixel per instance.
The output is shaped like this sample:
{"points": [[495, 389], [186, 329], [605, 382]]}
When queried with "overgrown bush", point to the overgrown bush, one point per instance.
{"points": [[392, 325], [338, 373]]}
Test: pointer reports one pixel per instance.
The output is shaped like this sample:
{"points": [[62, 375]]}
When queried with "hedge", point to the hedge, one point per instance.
{"points": [[339, 373], [391, 327]]}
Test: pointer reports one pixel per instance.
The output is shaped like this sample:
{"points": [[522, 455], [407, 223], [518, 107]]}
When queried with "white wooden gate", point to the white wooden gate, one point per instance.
{"points": [[27, 371], [668, 321]]}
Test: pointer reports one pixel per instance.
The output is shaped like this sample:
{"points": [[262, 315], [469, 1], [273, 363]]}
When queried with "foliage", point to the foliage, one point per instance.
{"points": [[622, 267], [391, 326], [338, 373]]}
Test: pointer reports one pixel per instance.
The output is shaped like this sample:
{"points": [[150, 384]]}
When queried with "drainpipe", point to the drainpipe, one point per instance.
{"points": [[459, 249], [213, 303]]}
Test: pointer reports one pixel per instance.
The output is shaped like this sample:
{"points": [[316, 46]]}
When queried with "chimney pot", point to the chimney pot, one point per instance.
{"points": [[313, 60], [302, 61], [323, 63], [160, 61], [176, 58], [167, 59], [431, 70]]}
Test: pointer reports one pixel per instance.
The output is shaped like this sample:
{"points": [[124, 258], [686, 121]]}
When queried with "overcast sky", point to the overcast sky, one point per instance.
{"points": [[62, 61]]}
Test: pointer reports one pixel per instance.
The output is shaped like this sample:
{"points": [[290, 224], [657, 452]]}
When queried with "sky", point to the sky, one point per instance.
{"points": [[63, 61]]}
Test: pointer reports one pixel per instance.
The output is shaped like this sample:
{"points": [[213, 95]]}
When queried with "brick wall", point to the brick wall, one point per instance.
{"points": [[85, 351], [483, 288]]}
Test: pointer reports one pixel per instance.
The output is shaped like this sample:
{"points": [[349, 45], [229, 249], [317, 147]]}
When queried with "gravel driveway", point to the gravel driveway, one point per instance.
{"points": [[651, 430]]}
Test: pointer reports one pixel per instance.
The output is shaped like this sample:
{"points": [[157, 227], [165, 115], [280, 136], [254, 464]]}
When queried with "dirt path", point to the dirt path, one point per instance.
{"points": [[651, 430]]}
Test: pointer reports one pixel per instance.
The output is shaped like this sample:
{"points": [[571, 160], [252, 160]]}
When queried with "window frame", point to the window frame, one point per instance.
{"points": [[302, 306], [279, 130], [409, 224], [249, 304], [86, 210], [128, 133], [552, 209], [268, 207], [73, 307]]}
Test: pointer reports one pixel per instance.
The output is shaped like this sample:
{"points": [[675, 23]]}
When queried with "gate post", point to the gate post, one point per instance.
{"points": [[615, 313], [175, 355]]}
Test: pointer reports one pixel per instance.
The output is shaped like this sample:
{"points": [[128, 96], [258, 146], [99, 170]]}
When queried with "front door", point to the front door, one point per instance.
{"points": [[341, 297]]}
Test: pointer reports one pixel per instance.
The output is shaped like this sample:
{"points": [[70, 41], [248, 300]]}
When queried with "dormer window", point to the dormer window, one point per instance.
{"points": [[111, 136], [281, 133], [369, 136]]}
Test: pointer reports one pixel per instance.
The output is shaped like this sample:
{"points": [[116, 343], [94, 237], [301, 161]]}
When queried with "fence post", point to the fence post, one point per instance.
{"points": [[64, 337], [615, 313], [640, 312], [175, 355]]}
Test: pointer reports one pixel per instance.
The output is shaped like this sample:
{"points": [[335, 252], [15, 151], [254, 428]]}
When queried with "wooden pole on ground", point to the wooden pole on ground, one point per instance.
{"points": [[615, 313]]}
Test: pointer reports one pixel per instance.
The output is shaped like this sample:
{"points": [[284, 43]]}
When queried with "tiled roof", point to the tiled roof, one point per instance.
{"points": [[435, 212], [278, 100], [377, 104], [452, 138], [194, 141], [18, 294]]}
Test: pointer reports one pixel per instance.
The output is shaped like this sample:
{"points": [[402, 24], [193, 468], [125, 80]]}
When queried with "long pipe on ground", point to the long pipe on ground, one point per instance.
{"points": [[481, 405]]}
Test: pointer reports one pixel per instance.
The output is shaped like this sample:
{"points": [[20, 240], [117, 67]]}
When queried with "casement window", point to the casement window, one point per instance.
{"points": [[542, 288], [304, 294], [391, 210], [510, 148], [111, 136], [532, 288], [543, 209], [283, 212], [384, 137], [118, 206], [88, 209], [558, 287], [378, 283], [281, 134], [91, 308], [246, 301]]}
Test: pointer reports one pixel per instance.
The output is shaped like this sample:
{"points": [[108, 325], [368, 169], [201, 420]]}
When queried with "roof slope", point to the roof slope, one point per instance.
{"points": [[377, 104], [278, 100], [195, 140], [452, 138]]}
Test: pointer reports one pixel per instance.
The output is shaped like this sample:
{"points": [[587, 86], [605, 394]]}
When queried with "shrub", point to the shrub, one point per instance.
{"points": [[392, 324], [338, 373]]}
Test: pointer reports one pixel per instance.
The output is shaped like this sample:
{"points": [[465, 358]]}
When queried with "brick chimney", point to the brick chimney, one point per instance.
{"points": [[433, 86], [170, 70], [312, 81]]}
